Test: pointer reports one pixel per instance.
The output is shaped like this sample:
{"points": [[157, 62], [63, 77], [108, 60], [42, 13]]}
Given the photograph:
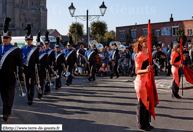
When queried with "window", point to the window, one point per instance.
{"points": [[4, 9], [158, 33], [165, 31], [189, 32], [174, 30], [145, 32], [122, 34], [133, 33]]}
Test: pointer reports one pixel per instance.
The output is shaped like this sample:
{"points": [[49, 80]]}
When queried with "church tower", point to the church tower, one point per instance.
{"points": [[24, 12]]}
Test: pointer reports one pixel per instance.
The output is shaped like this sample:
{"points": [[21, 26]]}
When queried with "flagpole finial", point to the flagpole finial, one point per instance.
{"points": [[149, 20]]}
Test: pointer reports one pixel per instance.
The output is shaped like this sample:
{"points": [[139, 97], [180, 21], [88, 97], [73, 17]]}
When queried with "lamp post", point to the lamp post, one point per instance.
{"points": [[87, 17]]}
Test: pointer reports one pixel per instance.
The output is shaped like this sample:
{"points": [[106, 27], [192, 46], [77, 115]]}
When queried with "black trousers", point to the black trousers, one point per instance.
{"points": [[7, 96], [169, 68], [42, 76], [30, 79], [92, 67], [69, 69], [142, 115], [114, 69], [58, 80], [175, 88], [47, 85]]}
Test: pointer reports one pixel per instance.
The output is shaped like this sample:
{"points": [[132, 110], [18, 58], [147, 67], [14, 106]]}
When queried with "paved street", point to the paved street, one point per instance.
{"points": [[102, 106]]}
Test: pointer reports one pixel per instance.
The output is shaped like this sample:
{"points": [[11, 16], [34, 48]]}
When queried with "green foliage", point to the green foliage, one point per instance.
{"points": [[109, 36], [98, 30], [153, 38], [192, 40], [76, 30], [181, 34], [129, 38]]}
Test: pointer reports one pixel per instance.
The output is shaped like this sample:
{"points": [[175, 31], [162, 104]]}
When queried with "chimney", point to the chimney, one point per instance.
{"points": [[171, 18]]}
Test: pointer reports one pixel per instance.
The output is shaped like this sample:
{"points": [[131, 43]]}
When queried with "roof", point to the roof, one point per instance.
{"points": [[51, 31], [154, 23]]}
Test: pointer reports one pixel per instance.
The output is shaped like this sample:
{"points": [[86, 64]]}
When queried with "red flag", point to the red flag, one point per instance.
{"points": [[151, 87], [187, 71]]}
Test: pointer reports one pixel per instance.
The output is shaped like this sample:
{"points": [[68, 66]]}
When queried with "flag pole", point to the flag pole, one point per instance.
{"points": [[181, 52]]}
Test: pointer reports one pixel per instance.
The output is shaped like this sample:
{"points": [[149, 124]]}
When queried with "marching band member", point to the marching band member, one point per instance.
{"points": [[43, 57], [91, 56], [142, 68], [30, 60], [10, 57], [176, 65], [70, 59], [59, 60], [115, 58], [51, 59]]}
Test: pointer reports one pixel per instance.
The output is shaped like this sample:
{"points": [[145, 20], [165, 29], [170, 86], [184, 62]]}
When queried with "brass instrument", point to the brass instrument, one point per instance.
{"points": [[47, 77], [78, 69], [39, 91], [19, 84], [54, 72], [64, 71], [120, 47]]}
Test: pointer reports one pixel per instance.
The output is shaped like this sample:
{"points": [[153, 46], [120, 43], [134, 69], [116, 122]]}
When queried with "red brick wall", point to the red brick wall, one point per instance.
{"points": [[157, 26]]}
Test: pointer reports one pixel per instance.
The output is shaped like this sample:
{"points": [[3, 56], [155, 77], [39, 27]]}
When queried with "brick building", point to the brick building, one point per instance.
{"points": [[24, 12], [165, 31]]}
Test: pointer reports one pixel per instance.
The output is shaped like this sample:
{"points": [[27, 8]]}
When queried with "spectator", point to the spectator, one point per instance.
{"points": [[109, 52], [108, 70], [133, 63], [187, 57], [190, 52], [103, 70], [15, 44], [191, 66], [164, 48], [128, 56], [106, 57], [101, 55], [125, 66], [169, 58]]}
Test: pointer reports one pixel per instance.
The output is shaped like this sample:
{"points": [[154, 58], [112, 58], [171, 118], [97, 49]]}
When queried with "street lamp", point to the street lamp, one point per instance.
{"points": [[87, 17]]}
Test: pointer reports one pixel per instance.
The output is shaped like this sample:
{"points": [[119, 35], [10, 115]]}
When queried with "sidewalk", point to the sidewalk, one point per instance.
{"points": [[166, 82]]}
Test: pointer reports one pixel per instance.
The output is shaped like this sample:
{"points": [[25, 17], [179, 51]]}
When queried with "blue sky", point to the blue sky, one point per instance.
{"points": [[119, 12]]}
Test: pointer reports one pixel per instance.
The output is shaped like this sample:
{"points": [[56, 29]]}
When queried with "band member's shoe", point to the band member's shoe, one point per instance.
{"points": [[57, 88], [117, 76], [68, 84], [93, 79], [39, 97], [146, 129], [151, 127], [89, 79], [46, 92], [178, 97], [5, 117], [29, 103], [111, 77]]}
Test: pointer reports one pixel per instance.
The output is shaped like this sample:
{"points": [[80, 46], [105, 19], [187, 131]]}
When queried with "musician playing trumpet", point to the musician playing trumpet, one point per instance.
{"points": [[59, 61], [43, 57], [10, 57], [30, 59]]}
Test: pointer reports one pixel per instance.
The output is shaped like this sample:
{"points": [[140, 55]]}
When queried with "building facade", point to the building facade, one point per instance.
{"points": [[24, 12], [166, 32]]}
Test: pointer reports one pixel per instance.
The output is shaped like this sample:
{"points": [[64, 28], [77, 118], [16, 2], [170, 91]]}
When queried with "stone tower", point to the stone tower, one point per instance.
{"points": [[24, 12]]}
